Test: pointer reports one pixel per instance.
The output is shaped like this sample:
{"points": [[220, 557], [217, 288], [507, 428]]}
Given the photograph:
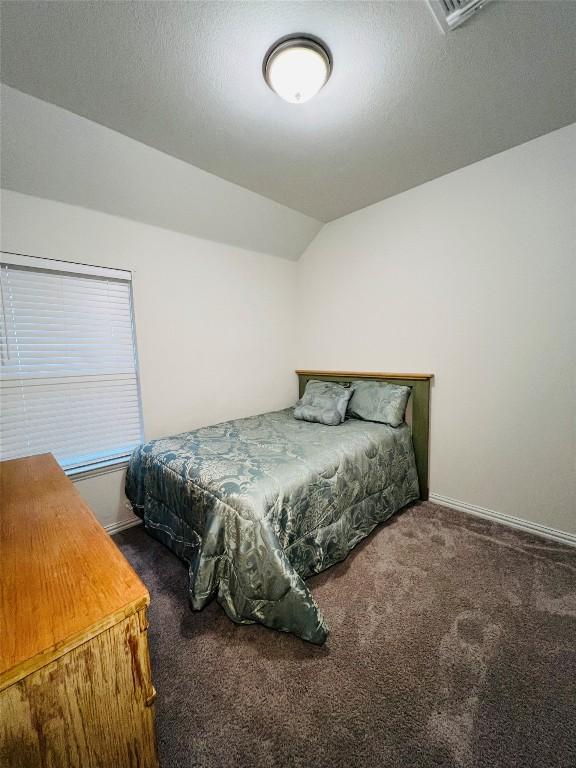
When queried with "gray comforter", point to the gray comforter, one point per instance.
{"points": [[256, 505]]}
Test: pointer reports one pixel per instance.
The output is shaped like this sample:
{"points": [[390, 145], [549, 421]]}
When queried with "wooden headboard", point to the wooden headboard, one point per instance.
{"points": [[420, 400]]}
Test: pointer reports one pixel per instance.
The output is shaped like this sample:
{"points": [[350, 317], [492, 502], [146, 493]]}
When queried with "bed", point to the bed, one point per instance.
{"points": [[254, 506]]}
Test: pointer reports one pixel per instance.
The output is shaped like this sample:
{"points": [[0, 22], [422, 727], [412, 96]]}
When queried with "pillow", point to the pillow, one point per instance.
{"points": [[379, 401], [323, 402]]}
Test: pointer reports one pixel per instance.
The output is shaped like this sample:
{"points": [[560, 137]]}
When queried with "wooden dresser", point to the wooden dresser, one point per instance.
{"points": [[75, 682]]}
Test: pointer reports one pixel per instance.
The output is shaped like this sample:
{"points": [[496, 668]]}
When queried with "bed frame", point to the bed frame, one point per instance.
{"points": [[420, 401]]}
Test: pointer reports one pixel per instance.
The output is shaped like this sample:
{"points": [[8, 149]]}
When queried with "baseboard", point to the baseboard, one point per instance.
{"points": [[121, 525], [514, 522]]}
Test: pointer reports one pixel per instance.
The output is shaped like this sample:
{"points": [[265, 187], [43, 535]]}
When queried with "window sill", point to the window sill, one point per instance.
{"points": [[102, 468]]}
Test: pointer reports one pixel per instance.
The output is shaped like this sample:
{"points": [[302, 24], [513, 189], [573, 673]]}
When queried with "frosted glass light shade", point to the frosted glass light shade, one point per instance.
{"points": [[297, 68]]}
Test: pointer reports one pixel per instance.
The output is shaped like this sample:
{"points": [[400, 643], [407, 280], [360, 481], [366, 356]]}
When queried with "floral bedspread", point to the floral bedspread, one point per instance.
{"points": [[256, 505]]}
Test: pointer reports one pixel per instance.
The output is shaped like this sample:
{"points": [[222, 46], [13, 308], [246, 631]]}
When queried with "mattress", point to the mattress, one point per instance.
{"points": [[254, 506]]}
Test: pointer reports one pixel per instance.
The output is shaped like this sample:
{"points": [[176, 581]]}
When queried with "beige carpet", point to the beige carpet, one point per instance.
{"points": [[453, 643]]}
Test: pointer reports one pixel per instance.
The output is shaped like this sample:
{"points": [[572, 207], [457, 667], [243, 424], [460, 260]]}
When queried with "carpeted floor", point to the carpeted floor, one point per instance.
{"points": [[453, 643]]}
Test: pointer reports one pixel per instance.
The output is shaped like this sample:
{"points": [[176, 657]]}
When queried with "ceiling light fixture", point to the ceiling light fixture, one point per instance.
{"points": [[297, 67]]}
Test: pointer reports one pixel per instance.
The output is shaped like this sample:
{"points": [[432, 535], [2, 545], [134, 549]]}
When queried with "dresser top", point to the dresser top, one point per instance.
{"points": [[62, 578]]}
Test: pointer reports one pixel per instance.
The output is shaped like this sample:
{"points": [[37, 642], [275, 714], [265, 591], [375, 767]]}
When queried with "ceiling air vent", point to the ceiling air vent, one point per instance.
{"points": [[451, 13]]}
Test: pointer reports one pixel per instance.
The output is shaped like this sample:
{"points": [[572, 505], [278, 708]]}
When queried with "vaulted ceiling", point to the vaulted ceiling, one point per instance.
{"points": [[405, 103]]}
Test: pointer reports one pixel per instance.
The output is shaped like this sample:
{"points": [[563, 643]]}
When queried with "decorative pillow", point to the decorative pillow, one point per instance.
{"points": [[324, 402], [379, 401]]}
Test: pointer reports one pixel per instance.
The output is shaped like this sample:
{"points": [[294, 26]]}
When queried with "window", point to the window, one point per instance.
{"points": [[69, 378]]}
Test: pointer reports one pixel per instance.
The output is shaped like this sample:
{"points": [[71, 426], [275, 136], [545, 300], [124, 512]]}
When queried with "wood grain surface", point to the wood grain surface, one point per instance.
{"points": [[63, 580], [369, 375], [91, 708]]}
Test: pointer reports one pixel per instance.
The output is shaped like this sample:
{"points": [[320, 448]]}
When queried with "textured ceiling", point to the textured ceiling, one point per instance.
{"points": [[405, 103]]}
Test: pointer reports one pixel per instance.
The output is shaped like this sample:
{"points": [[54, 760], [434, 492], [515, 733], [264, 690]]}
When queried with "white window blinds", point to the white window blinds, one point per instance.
{"points": [[69, 381]]}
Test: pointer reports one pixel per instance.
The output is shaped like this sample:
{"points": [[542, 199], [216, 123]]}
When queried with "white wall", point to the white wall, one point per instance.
{"points": [[215, 324], [50, 152], [471, 277]]}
